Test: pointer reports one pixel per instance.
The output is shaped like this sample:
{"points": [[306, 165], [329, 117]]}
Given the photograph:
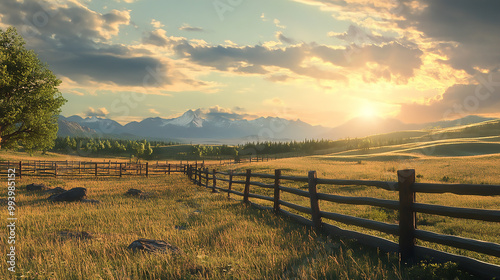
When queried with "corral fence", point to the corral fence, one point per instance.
{"points": [[407, 206], [57, 169]]}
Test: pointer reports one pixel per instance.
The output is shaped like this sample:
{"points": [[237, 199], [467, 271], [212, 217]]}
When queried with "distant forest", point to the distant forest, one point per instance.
{"points": [[144, 149]]}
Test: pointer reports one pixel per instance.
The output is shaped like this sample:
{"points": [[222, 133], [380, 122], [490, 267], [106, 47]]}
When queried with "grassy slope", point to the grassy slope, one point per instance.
{"points": [[222, 238]]}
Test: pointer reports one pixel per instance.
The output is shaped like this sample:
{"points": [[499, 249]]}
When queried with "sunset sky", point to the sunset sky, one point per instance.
{"points": [[321, 61]]}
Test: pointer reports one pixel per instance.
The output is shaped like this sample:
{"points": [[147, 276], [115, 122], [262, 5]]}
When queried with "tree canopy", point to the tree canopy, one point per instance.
{"points": [[29, 99]]}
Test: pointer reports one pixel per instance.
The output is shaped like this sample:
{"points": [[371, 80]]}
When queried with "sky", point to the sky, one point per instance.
{"points": [[321, 61]]}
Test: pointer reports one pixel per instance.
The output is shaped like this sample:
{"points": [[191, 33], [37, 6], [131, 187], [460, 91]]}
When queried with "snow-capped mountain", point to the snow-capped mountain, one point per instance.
{"points": [[195, 124], [188, 119]]}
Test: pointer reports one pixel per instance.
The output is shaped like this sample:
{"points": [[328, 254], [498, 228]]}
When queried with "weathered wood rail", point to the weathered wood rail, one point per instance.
{"points": [[92, 168], [406, 228]]}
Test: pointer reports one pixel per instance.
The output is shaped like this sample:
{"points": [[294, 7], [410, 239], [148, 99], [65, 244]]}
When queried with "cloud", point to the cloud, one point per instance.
{"points": [[187, 27], [278, 23], [156, 37], [156, 24], [220, 113], [466, 32], [274, 102], [77, 44], [100, 112], [153, 111], [359, 36], [398, 60], [278, 78], [283, 38], [457, 101]]}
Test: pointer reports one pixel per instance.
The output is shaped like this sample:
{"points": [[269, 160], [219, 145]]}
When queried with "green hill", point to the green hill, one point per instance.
{"points": [[467, 140]]}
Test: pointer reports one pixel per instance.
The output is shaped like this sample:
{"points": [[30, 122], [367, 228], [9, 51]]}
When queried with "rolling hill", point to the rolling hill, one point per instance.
{"points": [[466, 140]]}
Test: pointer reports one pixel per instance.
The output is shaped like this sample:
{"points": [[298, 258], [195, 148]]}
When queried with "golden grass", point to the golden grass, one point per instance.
{"points": [[222, 239], [470, 170]]}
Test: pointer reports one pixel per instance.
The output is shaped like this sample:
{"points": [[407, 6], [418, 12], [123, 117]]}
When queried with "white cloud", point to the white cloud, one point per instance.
{"points": [[277, 23], [100, 112], [156, 24]]}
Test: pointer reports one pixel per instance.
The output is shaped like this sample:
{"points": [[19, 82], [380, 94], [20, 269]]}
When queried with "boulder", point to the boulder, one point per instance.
{"points": [[134, 192], [151, 246], [75, 194], [35, 187], [57, 190]]}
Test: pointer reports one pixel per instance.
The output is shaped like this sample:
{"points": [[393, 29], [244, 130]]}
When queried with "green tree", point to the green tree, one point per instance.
{"points": [[29, 99]]}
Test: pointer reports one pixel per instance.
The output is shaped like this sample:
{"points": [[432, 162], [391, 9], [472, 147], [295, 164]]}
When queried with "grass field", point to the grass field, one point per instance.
{"points": [[471, 170], [220, 238], [223, 239]]}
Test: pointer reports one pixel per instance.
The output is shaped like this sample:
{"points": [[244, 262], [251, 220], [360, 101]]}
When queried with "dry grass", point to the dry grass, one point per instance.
{"points": [[471, 170], [221, 238]]}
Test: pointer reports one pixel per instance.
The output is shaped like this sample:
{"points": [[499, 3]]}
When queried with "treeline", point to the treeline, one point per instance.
{"points": [[309, 146], [97, 146], [86, 146], [301, 147], [200, 151]]}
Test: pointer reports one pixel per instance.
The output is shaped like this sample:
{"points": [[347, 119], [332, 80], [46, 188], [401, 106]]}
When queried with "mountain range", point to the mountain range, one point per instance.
{"points": [[195, 126]]}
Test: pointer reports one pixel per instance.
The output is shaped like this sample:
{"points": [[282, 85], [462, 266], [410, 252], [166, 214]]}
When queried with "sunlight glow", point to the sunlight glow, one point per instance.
{"points": [[368, 111]]}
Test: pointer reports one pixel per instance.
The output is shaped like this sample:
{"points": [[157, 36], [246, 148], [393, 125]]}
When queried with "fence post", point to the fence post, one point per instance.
{"points": [[214, 182], [169, 169], [277, 175], [199, 176], [230, 183], [20, 169], [406, 178], [55, 170], [316, 216], [96, 169], [147, 169], [247, 186], [120, 169], [206, 174]]}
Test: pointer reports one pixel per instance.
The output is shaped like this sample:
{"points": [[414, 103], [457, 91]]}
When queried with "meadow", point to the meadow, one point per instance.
{"points": [[429, 169], [222, 238]]}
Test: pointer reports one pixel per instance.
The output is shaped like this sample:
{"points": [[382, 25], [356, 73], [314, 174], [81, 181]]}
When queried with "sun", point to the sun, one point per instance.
{"points": [[368, 111]]}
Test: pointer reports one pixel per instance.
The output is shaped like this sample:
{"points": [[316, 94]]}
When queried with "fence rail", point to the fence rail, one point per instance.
{"points": [[406, 228], [92, 168]]}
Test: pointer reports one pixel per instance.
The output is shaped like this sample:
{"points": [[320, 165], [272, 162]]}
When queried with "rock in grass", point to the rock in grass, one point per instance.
{"points": [[75, 194], [35, 187], [134, 192], [57, 190], [151, 246], [75, 234]]}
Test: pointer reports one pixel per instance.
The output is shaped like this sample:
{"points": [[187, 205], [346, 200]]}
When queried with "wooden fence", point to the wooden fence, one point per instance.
{"points": [[407, 207], [91, 168]]}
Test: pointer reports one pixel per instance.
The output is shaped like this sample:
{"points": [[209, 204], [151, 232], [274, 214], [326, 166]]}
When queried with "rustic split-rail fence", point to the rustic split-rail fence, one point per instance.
{"points": [[108, 168], [407, 206]]}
